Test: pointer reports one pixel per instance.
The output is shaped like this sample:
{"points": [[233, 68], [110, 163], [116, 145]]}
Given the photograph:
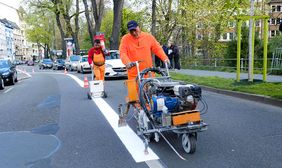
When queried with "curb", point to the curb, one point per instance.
{"points": [[252, 97]]}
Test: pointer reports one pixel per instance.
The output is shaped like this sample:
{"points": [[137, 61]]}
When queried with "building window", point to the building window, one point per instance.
{"points": [[231, 24], [273, 21], [199, 37], [258, 23], [224, 36], [231, 36], [278, 8], [272, 33], [278, 21], [273, 8]]}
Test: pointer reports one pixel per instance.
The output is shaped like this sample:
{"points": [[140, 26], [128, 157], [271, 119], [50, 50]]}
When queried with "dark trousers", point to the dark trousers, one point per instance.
{"points": [[176, 62]]}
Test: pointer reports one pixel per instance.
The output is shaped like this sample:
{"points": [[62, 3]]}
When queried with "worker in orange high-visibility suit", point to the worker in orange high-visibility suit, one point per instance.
{"points": [[96, 59], [139, 46]]}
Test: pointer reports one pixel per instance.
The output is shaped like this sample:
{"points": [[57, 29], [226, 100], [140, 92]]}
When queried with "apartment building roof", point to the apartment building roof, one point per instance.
{"points": [[9, 23]]}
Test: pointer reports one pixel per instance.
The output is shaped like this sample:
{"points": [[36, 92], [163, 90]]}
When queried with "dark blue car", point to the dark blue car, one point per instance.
{"points": [[59, 64], [8, 71]]}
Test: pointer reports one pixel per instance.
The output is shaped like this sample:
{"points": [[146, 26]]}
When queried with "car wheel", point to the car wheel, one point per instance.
{"points": [[13, 80], [16, 79], [82, 70], [2, 86]]}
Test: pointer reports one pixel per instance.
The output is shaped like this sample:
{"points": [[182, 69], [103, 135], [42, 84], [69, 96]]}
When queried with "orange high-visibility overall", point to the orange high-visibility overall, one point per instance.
{"points": [[140, 49], [99, 66]]}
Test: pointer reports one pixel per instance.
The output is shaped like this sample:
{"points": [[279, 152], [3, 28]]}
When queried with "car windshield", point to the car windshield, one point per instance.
{"points": [[47, 60], [74, 58], [4, 64], [84, 59], [113, 55]]}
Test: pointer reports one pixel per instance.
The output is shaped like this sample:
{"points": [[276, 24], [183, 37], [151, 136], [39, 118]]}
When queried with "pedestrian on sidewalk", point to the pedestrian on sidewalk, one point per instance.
{"points": [[175, 56]]}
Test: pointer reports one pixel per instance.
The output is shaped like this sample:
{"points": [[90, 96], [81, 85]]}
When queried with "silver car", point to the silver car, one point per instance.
{"points": [[114, 66], [83, 65], [71, 62]]}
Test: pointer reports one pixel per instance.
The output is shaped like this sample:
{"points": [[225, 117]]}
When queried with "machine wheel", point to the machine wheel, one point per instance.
{"points": [[104, 95], [189, 143], [89, 96], [150, 136]]}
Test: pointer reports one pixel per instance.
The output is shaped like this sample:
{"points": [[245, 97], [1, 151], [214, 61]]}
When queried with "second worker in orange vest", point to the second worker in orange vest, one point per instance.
{"points": [[96, 59], [138, 46]]}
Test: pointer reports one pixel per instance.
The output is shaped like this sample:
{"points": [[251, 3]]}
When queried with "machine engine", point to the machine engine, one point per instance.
{"points": [[172, 97]]}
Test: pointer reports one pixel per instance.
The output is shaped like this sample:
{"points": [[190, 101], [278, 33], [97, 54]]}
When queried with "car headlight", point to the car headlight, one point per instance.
{"points": [[108, 66], [6, 73]]}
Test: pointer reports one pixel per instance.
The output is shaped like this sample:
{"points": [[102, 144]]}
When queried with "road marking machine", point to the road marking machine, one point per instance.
{"points": [[96, 87], [163, 105]]}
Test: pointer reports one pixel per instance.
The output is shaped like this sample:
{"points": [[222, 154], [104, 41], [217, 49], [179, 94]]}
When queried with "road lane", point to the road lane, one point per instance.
{"points": [[241, 133]]}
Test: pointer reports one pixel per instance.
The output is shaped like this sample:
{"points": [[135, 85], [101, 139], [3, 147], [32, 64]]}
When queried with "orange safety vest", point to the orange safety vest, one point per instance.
{"points": [[98, 59]]}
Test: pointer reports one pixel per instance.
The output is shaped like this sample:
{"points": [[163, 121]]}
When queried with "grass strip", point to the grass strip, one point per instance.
{"points": [[273, 90]]}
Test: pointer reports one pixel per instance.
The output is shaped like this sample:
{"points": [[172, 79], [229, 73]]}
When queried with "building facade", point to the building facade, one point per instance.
{"points": [[275, 17], [3, 44]]}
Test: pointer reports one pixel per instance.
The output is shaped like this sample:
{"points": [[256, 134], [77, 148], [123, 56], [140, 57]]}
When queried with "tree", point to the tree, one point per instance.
{"points": [[39, 29], [98, 7], [114, 40], [89, 22], [154, 20]]}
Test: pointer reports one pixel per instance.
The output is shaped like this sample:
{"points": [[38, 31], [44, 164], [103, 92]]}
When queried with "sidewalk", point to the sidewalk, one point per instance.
{"points": [[269, 78]]}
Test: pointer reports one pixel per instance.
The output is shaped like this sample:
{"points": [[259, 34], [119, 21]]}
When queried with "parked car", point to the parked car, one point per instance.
{"points": [[83, 65], [8, 71], [114, 66], [59, 64], [30, 63], [71, 62], [18, 62], [45, 63], [2, 86]]}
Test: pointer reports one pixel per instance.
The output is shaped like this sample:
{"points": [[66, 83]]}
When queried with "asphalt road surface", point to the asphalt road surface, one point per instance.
{"points": [[47, 121]]}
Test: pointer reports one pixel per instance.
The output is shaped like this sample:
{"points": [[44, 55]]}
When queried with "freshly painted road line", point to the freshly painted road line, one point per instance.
{"points": [[131, 141], [24, 72], [8, 90]]}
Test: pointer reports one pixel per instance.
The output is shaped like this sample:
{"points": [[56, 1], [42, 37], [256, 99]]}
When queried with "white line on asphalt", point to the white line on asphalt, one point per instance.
{"points": [[24, 72], [131, 141], [8, 90]]}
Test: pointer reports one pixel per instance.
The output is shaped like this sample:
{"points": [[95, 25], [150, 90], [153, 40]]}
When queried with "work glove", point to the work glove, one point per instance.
{"points": [[130, 65]]}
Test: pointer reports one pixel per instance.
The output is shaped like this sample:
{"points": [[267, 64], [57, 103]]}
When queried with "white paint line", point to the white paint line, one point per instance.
{"points": [[80, 82], [131, 141], [155, 164], [24, 72], [8, 90]]}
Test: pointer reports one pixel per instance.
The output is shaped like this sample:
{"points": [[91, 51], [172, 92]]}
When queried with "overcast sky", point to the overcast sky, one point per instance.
{"points": [[7, 10]]}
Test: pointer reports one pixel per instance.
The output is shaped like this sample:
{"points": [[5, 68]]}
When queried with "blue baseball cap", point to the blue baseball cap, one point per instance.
{"points": [[131, 25]]}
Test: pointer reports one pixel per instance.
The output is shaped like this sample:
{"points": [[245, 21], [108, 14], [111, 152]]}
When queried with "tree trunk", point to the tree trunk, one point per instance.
{"points": [[89, 23], [114, 40], [98, 11], [62, 33], [153, 28], [154, 20], [70, 32], [77, 47]]}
